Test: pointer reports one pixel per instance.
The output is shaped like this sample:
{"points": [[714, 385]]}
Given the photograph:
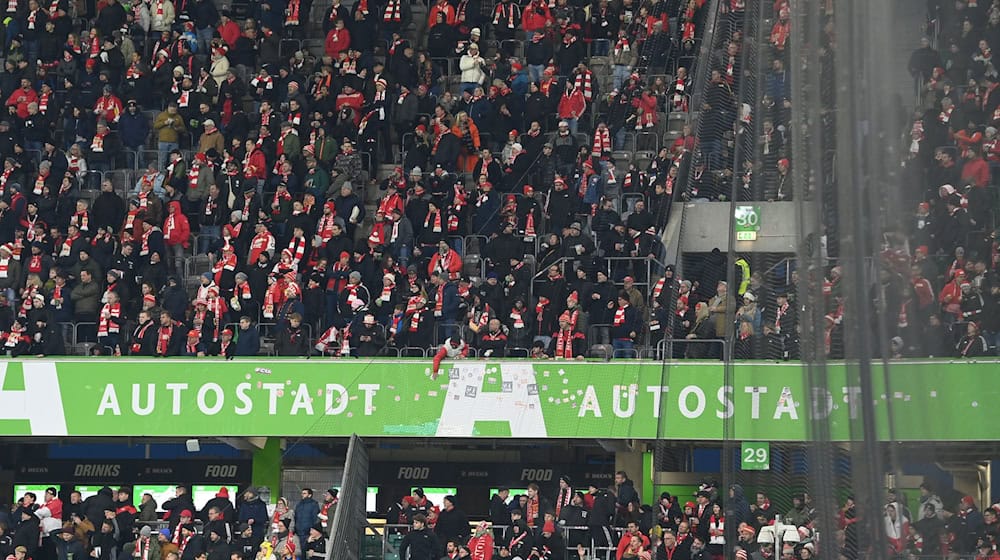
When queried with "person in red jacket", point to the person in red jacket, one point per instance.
{"points": [[481, 543], [349, 97], [631, 530], [337, 40], [645, 105], [446, 261], [453, 348], [176, 232], [53, 502], [571, 106], [442, 6], [975, 171], [229, 30], [19, 100], [536, 17]]}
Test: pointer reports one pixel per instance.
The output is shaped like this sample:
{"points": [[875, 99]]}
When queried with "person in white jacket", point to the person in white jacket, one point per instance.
{"points": [[220, 65], [161, 15], [472, 66]]}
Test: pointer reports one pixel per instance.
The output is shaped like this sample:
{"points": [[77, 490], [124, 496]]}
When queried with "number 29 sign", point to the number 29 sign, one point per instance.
{"points": [[755, 456]]}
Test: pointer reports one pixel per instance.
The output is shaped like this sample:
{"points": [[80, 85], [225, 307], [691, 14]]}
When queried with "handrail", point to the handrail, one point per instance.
{"points": [[592, 548], [561, 260]]}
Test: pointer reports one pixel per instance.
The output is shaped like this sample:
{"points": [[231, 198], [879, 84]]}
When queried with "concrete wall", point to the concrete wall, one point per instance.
{"points": [[707, 225]]}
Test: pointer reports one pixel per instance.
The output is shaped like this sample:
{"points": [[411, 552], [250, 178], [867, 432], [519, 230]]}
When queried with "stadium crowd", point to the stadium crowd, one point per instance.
{"points": [[192, 179], [939, 275], [188, 179], [595, 522]]}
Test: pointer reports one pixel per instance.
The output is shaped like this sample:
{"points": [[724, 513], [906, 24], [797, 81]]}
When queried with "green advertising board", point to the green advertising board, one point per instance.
{"points": [[552, 399]]}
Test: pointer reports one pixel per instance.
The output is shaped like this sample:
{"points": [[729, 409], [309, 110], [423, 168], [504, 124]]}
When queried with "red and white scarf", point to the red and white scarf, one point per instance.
{"points": [[292, 12], [620, 316], [433, 216], [81, 220], [584, 82], [602, 142], [97, 145], [105, 325], [506, 11], [393, 12]]}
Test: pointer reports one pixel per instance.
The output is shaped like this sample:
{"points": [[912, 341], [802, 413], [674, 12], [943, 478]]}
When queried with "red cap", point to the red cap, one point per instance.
{"points": [[223, 492], [345, 254], [187, 512]]}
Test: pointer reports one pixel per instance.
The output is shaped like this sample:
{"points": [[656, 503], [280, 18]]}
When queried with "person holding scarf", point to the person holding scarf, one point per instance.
{"points": [[567, 343]]}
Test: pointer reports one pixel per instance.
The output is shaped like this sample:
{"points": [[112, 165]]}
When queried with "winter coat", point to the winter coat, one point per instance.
{"points": [[180, 233], [306, 515], [422, 545]]}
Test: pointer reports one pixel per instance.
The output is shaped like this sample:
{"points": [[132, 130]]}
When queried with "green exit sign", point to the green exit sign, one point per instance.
{"points": [[747, 222], [755, 456]]}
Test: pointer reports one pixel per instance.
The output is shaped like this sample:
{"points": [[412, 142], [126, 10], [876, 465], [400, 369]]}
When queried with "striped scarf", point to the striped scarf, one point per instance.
{"points": [[505, 11], [602, 142], [584, 82], [393, 12]]}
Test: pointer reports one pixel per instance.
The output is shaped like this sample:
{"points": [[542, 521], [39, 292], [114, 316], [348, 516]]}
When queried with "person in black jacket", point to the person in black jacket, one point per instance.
{"points": [[421, 542], [601, 513], [182, 501], [575, 515], [625, 328], [223, 504], [104, 543], [625, 487], [293, 340], [170, 339], [216, 523], [244, 543], [94, 506], [67, 545], [368, 338], [499, 512], [195, 546], [737, 511], [315, 546], [218, 548], [27, 531], [452, 523]]}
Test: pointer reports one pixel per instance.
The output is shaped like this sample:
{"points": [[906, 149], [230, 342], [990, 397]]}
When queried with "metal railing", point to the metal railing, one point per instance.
{"points": [[390, 535]]}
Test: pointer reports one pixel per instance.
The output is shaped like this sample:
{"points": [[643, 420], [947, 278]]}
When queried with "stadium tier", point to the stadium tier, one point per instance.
{"points": [[534, 279]]}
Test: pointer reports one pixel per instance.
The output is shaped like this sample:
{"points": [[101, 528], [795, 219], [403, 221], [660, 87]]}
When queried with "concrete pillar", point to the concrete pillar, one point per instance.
{"points": [[631, 462], [266, 469]]}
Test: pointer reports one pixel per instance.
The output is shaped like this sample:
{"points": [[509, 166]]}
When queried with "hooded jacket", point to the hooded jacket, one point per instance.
{"points": [[94, 506], [737, 511], [221, 501], [176, 228]]}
